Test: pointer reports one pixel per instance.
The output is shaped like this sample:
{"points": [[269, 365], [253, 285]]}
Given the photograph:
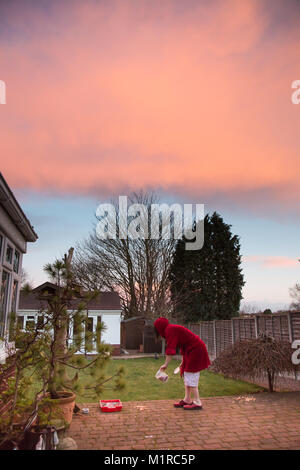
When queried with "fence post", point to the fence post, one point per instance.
{"points": [[256, 325], [232, 332], [215, 337], [272, 324], [280, 327], [290, 327]]}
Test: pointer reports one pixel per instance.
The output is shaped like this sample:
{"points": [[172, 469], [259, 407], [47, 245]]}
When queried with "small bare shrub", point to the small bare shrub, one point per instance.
{"points": [[256, 358]]}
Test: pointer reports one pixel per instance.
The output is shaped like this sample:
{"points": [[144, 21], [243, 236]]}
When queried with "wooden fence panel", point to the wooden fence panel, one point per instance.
{"points": [[295, 320], [196, 328], [284, 325], [236, 329], [208, 336], [262, 324], [219, 334], [223, 335]]}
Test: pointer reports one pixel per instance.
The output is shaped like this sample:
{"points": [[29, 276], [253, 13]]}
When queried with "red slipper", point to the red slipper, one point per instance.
{"points": [[192, 406], [181, 404]]}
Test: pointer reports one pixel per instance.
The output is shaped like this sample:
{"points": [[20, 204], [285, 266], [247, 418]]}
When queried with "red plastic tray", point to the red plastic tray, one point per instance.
{"points": [[107, 406]]}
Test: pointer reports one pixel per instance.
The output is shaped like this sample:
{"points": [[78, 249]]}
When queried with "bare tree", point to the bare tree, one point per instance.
{"points": [[248, 309], [26, 283], [295, 294], [136, 267]]}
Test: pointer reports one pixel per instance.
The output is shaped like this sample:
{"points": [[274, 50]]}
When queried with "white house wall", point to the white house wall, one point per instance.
{"points": [[111, 319], [17, 242], [112, 334], [11, 231]]}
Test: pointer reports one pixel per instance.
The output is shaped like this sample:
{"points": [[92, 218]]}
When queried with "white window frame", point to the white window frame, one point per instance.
{"points": [[19, 261], [8, 298]]}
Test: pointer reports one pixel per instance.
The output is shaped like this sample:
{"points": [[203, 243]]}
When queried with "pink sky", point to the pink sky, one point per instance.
{"points": [[192, 98], [272, 261], [137, 94]]}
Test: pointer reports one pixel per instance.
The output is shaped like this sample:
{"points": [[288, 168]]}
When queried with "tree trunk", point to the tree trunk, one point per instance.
{"points": [[271, 381], [60, 344]]}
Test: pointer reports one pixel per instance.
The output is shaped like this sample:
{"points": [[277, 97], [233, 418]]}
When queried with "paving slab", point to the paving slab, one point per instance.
{"points": [[258, 421]]}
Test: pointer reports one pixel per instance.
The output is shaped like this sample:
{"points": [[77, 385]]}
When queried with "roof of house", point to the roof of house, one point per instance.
{"points": [[103, 301], [13, 209], [128, 320]]}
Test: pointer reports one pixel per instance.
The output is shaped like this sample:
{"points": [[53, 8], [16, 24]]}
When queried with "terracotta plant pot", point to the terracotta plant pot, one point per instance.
{"points": [[65, 404]]}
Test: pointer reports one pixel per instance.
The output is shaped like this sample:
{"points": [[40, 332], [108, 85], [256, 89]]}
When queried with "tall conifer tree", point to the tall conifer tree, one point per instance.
{"points": [[209, 281]]}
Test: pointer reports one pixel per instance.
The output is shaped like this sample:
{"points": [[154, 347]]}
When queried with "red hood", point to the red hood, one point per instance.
{"points": [[160, 325]]}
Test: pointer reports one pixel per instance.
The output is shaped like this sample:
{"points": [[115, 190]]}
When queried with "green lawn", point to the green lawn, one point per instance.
{"points": [[142, 385]]}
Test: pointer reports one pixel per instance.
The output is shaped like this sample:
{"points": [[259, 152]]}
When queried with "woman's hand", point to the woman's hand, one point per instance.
{"points": [[165, 365]]}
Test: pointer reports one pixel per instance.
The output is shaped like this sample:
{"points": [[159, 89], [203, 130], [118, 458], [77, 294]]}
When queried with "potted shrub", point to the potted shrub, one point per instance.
{"points": [[57, 310], [19, 396]]}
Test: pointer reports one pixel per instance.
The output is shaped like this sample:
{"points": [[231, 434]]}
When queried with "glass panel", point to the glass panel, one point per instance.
{"points": [[1, 243], [30, 323], [9, 254], [40, 322], [16, 262], [89, 324], [3, 300], [89, 334], [20, 321], [14, 296], [12, 317], [98, 330], [77, 331]]}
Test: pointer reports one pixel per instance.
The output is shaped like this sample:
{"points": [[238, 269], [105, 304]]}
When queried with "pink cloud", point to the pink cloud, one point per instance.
{"points": [[116, 95], [272, 261]]}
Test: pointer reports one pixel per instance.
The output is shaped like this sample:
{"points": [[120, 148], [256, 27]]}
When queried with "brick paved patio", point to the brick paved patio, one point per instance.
{"points": [[259, 421]]}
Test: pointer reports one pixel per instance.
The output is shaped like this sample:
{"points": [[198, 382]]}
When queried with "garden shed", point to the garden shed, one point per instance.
{"points": [[137, 334]]}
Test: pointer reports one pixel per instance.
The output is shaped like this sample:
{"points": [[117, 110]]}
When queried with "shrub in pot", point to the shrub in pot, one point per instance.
{"points": [[19, 395], [43, 385], [60, 355]]}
